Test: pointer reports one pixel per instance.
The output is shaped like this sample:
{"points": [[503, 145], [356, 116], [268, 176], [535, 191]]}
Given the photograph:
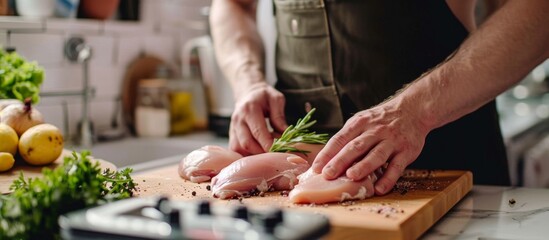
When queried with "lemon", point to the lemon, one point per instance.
{"points": [[41, 144], [8, 139], [6, 161]]}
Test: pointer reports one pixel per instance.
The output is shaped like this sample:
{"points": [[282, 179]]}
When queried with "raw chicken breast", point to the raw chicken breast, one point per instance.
{"points": [[259, 172], [202, 164], [314, 188]]}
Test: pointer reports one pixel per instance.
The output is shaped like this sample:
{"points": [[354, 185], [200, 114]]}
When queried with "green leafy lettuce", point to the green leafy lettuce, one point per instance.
{"points": [[19, 79]]}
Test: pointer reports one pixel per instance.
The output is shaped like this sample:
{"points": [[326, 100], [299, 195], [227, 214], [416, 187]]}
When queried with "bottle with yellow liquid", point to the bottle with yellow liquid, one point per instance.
{"points": [[182, 117]]}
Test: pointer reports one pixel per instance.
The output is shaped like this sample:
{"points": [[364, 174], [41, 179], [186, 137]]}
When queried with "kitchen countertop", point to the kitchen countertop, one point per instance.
{"points": [[486, 213]]}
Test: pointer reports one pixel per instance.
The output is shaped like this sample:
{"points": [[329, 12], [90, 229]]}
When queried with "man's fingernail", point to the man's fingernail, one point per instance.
{"points": [[380, 188], [316, 169], [353, 174], [350, 174], [328, 171]]}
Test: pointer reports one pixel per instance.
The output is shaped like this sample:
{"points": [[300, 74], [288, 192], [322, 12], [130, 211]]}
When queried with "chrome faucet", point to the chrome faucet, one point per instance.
{"points": [[76, 50]]}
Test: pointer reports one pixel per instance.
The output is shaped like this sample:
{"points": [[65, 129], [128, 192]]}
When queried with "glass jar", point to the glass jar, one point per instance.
{"points": [[152, 112], [181, 100]]}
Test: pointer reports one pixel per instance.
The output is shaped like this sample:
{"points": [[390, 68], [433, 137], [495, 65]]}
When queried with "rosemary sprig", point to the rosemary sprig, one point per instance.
{"points": [[299, 134]]}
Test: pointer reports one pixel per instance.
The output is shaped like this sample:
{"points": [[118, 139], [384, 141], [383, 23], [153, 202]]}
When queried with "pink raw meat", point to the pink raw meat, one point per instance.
{"points": [[204, 163], [261, 172], [314, 188]]}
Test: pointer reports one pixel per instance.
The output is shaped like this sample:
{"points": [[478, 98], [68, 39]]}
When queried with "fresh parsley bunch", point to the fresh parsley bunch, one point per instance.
{"points": [[32, 210], [299, 133], [19, 79]]}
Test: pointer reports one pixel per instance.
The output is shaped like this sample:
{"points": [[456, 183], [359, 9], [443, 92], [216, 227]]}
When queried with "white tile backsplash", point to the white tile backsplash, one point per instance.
{"points": [[161, 46], [106, 80], [149, 12], [45, 48], [191, 27], [164, 28], [103, 48], [53, 114], [128, 48], [3, 38], [177, 11], [63, 78], [124, 28], [102, 112]]}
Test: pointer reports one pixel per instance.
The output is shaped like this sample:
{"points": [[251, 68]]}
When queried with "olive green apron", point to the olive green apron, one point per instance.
{"points": [[344, 56]]}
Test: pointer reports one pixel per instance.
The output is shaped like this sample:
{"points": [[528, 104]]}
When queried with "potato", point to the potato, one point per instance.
{"points": [[41, 144]]}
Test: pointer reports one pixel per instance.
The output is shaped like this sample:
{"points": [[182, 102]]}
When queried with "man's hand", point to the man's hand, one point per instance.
{"points": [[240, 55], [248, 133], [368, 140]]}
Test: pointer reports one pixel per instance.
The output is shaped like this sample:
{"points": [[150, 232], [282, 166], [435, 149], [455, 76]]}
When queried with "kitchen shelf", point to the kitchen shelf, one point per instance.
{"points": [[21, 24]]}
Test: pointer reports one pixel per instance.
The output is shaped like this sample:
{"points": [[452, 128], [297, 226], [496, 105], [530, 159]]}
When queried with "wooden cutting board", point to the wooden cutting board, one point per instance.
{"points": [[144, 67], [6, 178], [419, 200]]}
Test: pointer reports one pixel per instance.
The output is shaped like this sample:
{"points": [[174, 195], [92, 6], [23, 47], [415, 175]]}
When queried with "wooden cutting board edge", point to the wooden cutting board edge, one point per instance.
{"points": [[417, 224], [6, 178]]}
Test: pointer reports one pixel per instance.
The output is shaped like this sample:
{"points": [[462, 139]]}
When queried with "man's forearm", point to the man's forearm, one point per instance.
{"points": [[238, 46], [505, 48]]}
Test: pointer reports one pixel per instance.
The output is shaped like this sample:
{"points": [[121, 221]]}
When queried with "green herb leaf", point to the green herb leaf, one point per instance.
{"points": [[299, 134], [32, 209]]}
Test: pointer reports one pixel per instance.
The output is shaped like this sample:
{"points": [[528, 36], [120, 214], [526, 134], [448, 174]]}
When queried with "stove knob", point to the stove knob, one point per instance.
{"points": [[270, 220], [174, 217], [163, 205], [278, 215], [241, 212], [204, 208]]}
